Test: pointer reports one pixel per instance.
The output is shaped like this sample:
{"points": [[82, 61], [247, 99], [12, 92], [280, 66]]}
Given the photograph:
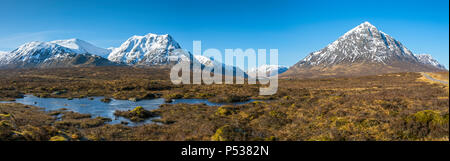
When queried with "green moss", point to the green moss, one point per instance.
{"points": [[58, 138], [174, 96], [204, 95], [287, 97], [226, 110]]}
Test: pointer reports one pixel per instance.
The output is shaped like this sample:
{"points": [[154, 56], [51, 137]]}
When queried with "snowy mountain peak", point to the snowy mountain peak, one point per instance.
{"points": [[366, 23], [266, 70], [81, 47], [366, 26], [150, 49], [59, 53], [3, 54], [364, 43]]}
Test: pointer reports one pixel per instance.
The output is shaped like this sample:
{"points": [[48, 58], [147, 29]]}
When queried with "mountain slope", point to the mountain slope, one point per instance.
{"points": [[49, 54], [3, 53], [155, 50], [207, 62], [150, 49], [266, 70], [82, 47], [364, 50], [428, 59]]}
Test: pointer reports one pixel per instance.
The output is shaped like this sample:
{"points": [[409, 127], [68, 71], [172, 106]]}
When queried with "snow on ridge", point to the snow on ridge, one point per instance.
{"points": [[33, 52], [429, 60], [81, 47], [362, 43], [207, 62], [150, 49]]}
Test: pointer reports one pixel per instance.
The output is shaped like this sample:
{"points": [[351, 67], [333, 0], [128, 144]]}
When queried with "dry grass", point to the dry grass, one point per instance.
{"points": [[381, 107]]}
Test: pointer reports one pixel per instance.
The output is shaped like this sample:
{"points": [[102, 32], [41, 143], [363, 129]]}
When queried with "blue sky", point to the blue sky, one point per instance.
{"points": [[295, 28]]}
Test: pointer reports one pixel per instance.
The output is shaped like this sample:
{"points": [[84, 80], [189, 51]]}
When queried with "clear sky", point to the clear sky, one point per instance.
{"points": [[295, 28]]}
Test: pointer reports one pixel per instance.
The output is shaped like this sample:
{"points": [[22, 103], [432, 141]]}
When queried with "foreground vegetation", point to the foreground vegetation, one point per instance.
{"points": [[397, 106]]}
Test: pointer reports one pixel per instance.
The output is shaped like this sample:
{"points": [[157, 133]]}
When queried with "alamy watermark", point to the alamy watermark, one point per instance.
{"points": [[202, 72]]}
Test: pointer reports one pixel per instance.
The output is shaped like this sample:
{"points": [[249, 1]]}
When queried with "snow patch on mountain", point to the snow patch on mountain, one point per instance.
{"points": [[82, 47], [150, 49], [3, 53], [33, 52], [267, 70], [207, 62], [429, 60], [364, 43], [50, 54]]}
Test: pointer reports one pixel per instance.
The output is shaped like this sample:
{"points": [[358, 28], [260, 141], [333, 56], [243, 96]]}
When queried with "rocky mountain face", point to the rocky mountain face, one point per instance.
{"points": [[49, 54], [364, 50]]}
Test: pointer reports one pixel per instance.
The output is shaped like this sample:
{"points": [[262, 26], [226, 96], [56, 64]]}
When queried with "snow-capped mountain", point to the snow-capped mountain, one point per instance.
{"points": [[49, 54], [2, 53], [427, 59], [82, 47], [363, 50], [207, 62], [150, 49], [266, 70]]}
